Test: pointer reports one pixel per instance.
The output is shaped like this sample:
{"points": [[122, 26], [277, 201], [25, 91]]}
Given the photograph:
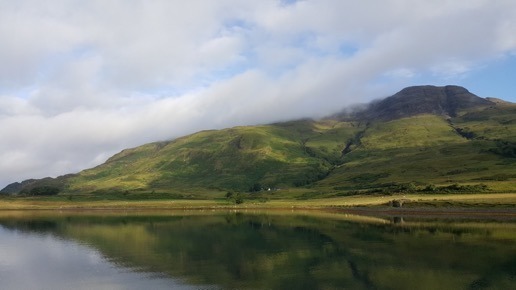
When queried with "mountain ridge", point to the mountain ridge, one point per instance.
{"points": [[415, 100], [390, 142]]}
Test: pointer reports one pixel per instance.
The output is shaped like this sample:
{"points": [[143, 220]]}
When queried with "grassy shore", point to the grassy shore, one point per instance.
{"points": [[506, 201]]}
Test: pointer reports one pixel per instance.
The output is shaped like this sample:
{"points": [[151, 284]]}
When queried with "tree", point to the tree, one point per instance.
{"points": [[239, 199], [44, 190], [256, 187]]}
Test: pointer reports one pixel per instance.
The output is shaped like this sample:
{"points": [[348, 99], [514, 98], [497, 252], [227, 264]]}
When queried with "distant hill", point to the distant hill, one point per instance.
{"points": [[423, 138]]}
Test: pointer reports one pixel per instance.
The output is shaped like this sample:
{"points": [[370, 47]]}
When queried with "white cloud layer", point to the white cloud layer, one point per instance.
{"points": [[81, 80]]}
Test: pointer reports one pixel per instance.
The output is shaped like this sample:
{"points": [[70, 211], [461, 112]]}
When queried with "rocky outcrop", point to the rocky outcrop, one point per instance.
{"points": [[411, 101]]}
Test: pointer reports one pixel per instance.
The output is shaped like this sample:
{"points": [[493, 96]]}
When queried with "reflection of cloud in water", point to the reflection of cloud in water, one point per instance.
{"points": [[33, 261]]}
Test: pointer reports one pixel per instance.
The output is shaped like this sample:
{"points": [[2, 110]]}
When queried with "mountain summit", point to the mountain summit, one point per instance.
{"points": [[412, 101]]}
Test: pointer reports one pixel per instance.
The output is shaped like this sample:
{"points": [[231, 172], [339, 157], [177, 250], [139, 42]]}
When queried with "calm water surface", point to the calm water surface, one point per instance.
{"points": [[228, 250]]}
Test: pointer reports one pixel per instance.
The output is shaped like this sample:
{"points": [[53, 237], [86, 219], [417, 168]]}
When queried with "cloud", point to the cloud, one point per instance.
{"points": [[35, 260], [81, 80]]}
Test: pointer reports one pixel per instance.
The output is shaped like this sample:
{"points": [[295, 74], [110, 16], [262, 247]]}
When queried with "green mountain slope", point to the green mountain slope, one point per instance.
{"points": [[421, 139], [421, 151], [280, 155]]}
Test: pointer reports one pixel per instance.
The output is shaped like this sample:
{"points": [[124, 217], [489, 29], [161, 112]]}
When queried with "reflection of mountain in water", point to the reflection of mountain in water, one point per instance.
{"points": [[299, 252]]}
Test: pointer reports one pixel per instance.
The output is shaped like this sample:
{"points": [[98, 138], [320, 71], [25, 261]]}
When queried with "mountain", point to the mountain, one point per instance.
{"points": [[423, 138], [445, 101]]}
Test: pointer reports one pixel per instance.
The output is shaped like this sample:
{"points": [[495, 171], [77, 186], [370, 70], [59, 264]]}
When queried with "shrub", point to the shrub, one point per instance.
{"points": [[505, 149], [455, 188], [44, 190], [255, 188], [430, 188], [239, 200]]}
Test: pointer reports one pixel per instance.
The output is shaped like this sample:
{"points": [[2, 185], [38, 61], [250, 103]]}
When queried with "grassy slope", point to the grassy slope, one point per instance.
{"points": [[427, 150], [282, 155], [305, 158], [498, 122]]}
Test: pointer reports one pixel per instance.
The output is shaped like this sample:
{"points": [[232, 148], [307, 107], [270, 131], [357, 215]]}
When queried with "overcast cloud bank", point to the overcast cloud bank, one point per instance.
{"points": [[81, 80]]}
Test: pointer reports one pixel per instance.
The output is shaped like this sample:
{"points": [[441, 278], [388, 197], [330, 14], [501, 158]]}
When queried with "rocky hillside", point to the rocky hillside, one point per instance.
{"points": [[445, 101]]}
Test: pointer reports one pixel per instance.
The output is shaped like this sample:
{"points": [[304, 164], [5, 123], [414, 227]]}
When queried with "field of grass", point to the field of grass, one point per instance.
{"points": [[496, 200]]}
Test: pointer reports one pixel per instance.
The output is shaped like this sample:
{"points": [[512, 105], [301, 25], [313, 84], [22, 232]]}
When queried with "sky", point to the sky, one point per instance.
{"points": [[82, 80]]}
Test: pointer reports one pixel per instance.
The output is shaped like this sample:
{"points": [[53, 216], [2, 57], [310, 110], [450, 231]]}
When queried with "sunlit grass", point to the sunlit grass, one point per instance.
{"points": [[441, 200]]}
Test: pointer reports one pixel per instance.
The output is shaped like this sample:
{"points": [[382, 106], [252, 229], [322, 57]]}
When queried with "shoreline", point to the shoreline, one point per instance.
{"points": [[424, 212], [467, 205]]}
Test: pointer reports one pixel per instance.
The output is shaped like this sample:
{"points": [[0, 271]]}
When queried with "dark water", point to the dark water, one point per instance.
{"points": [[228, 250]]}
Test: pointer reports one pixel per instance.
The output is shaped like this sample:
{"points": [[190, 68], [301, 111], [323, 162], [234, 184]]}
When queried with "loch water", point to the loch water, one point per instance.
{"points": [[253, 250]]}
